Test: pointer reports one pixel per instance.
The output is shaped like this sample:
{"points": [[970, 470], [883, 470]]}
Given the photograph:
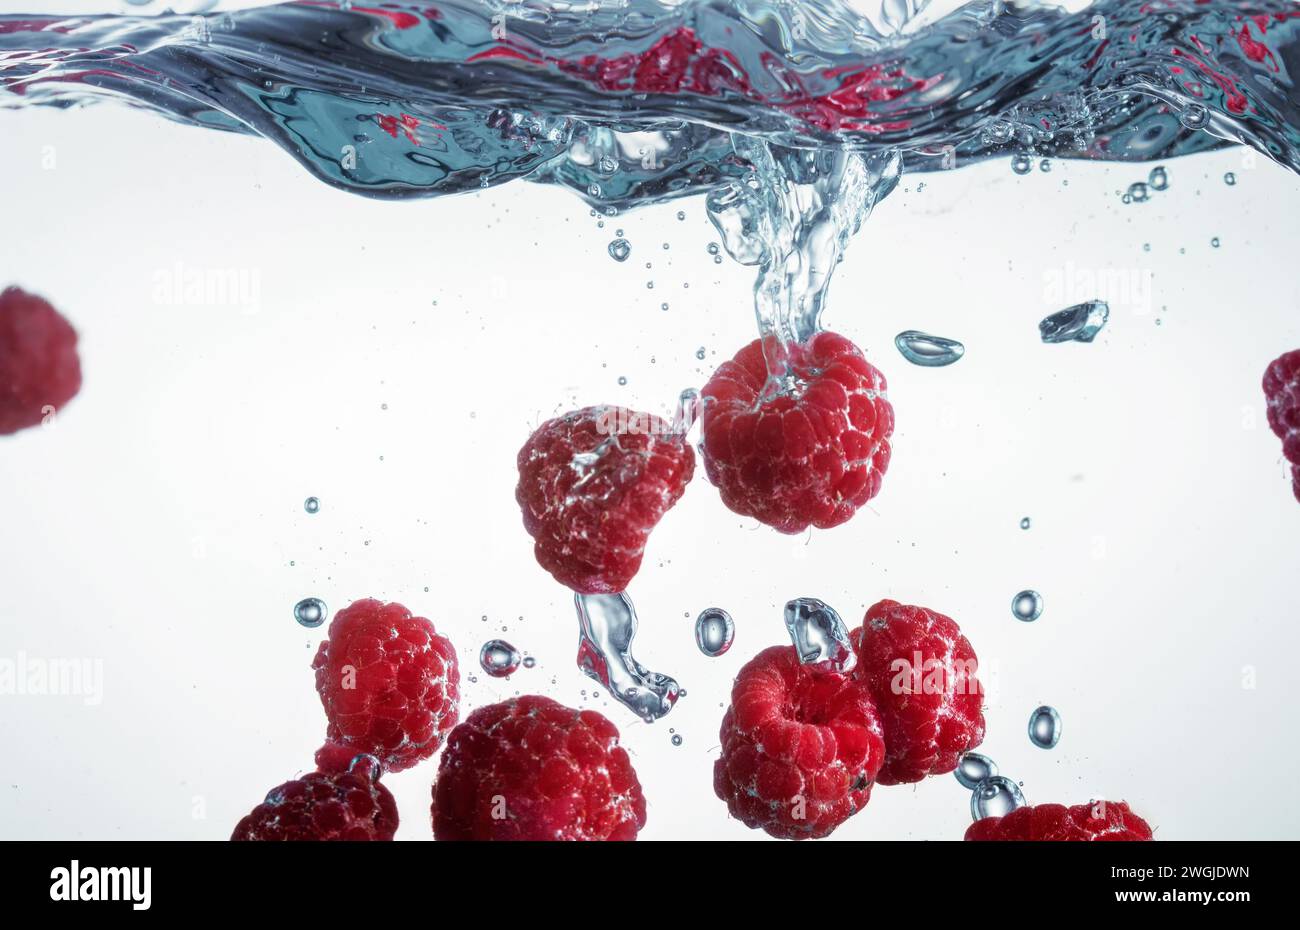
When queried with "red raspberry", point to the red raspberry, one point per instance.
{"points": [[531, 769], [339, 801], [1101, 820], [800, 748], [923, 675], [389, 683], [592, 485], [1282, 388], [811, 454], [39, 368]]}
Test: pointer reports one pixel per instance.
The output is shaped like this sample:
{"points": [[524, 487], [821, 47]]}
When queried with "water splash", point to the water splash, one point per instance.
{"points": [[607, 625], [819, 635], [792, 216]]}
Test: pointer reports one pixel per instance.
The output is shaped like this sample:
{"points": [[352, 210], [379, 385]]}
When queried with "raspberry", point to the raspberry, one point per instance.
{"points": [[531, 769], [813, 453], [388, 682], [39, 368], [1282, 388], [592, 485], [923, 675], [1103, 820], [800, 748], [339, 801]]}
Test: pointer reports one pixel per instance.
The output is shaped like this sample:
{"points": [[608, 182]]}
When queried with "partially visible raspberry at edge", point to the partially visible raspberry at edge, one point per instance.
{"points": [[810, 455], [800, 748], [388, 682], [1102, 821], [592, 485], [39, 367], [343, 800], [1282, 388], [532, 769], [924, 677]]}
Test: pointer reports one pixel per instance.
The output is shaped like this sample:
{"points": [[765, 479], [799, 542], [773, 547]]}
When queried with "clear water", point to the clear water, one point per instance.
{"points": [[282, 339]]}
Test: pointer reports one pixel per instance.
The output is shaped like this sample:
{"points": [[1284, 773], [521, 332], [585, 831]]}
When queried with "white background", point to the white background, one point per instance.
{"points": [[158, 525]]}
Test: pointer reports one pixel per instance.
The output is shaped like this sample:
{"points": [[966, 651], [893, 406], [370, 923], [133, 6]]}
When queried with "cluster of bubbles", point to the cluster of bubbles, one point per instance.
{"points": [[1140, 191]]}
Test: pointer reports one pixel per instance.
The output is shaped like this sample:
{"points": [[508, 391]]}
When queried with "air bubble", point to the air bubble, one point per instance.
{"points": [[1158, 179], [498, 658], [819, 635], [1230, 179], [714, 632], [311, 505], [995, 797], [1080, 323], [1027, 606], [928, 351], [1021, 164], [310, 612], [1138, 192], [620, 249], [973, 768], [1045, 727], [677, 739], [1025, 523], [1195, 117], [529, 662]]}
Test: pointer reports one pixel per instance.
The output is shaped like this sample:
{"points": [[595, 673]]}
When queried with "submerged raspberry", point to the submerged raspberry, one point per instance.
{"points": [[39, 368], [1098, 821], [592, 485], [1282, 388], [389, 683], [923, 675], [343, 800], [532, 769], [812, 454], [800, 748]]}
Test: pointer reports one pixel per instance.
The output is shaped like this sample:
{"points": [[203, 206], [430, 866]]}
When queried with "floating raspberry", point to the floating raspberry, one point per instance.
{"points": [[39, 368], [531, 769], [1100, 820], [343, 800], [800, 748], [389, 683], [592, 485], [923, 675], [1282, 388], [813, 453]]}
